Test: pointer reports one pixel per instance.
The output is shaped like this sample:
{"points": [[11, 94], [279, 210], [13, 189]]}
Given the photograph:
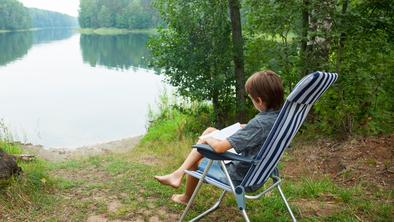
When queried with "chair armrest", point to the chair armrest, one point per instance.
{"points": [[208, 152]]}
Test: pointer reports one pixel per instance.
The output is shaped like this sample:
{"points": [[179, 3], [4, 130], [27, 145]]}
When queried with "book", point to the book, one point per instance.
{"points": [[223, 134]]}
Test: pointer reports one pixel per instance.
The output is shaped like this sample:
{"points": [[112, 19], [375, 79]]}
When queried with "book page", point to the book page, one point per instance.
{"points": [[223, 133]]}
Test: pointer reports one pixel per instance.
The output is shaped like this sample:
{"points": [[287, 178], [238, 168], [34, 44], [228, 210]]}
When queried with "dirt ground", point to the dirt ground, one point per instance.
{"points": [[368, 161], [358, 161]]}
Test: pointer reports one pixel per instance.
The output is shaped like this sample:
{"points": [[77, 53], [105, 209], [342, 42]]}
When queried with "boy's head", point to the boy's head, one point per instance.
{"points": [[266, 86]]}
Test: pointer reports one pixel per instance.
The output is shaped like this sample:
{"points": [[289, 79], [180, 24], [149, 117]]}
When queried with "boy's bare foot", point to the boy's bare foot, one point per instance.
{"points": [[180, 198], [170, 180]]}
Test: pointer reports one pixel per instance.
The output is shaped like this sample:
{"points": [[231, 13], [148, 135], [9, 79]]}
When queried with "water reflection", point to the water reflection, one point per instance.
{"points": [[50, 35], [15, 45], [117, 51]]}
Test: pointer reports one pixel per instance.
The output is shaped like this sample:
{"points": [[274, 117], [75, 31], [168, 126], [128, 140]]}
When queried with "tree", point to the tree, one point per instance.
{"points": [[351, 37], [194, 52], [13, 15], [44, 19], [130, 14]]}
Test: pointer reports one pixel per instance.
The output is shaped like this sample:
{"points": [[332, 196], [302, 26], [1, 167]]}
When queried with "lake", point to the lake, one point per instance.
{"points": [[62, 89]]}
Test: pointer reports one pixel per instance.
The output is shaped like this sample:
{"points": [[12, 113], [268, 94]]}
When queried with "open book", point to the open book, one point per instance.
{"points": [[223, 134]]}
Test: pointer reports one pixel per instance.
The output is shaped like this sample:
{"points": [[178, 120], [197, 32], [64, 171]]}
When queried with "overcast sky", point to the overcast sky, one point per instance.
{"points": [[69, 7]]}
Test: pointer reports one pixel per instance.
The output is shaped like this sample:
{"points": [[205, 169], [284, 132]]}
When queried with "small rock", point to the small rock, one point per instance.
{"points": [[97, 218], [154, 219], [114, 205]]}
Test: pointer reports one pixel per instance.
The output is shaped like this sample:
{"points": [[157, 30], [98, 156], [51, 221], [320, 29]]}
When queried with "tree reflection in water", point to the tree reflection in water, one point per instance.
{"points": [[15, 45], [115, 51]]}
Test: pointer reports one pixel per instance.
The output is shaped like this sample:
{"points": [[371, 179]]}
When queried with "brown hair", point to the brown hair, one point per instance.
{"points": [[268, 86]]}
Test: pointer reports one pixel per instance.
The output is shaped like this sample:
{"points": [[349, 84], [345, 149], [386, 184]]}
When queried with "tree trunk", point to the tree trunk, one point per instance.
{"points": [[342, 38], [321, 21], [8, 166], [218, 110], [304, 37], [238, 57]]}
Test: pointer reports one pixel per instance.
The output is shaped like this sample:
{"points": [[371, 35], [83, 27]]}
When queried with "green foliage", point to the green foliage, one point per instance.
{"points": [[194, 52], [9, 148], [354, 41], [175, 120], [361, 101], [271, 38], [13, 15], [123, 14], [43, 19]]}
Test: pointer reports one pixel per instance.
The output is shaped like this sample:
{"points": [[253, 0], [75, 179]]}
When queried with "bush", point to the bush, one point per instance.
{"points": [[176, 120]]}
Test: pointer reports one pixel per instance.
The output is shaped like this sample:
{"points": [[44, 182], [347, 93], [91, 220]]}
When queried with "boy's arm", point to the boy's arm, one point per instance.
{"points": [[220, 146]]}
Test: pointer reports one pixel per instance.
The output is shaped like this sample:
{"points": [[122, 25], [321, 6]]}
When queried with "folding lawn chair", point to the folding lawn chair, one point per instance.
{"points": [[263, 166]]}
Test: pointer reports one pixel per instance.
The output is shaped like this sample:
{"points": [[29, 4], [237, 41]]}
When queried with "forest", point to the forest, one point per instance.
{"points": [[122, 14], [209, 48], [43, 18], [14, 16]]}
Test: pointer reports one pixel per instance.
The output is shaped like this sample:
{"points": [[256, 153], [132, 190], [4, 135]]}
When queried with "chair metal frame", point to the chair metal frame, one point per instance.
{"points": [[276, 184]]}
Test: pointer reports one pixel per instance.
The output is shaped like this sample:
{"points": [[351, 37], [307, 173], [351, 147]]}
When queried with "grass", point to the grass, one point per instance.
{"points": [[114, 31], [121, 187]]}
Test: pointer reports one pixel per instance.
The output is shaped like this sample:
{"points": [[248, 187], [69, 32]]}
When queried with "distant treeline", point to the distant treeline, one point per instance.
{"points": [[124, 14], [14, 16], [43, 18]]}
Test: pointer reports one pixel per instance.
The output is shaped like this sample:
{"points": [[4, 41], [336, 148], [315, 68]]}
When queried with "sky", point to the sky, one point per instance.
{"points": [[69, 7]]}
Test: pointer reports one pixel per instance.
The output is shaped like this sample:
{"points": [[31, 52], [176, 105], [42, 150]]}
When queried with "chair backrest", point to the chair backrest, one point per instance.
{"points": [[290, 119]]}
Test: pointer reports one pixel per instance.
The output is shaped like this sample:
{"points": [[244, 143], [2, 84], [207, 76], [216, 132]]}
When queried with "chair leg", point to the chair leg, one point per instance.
{"points": [[213, 208], [189, 204], [245, 215], [287, 204]]}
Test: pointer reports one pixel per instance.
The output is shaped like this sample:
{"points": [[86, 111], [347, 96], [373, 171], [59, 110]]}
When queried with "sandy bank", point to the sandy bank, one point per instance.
{"points": [[61, 154]]}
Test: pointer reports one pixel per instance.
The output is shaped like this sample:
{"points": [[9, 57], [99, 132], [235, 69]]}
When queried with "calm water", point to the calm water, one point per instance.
{"points": [[62, 89]]}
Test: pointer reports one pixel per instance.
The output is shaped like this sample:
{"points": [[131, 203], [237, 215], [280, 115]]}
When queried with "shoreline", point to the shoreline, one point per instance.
{"points": [[114, 31], [62, 154]]}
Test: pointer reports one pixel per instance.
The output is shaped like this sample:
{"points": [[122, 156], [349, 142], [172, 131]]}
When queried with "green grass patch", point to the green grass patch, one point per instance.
{"points": [[10, 148]]}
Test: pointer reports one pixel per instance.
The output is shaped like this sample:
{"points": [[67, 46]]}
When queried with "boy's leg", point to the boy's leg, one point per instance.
{"points": [[175, 178], [191, 183]]}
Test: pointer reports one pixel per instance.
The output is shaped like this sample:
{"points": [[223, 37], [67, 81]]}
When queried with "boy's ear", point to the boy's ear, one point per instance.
{"points": [[259, 100]]}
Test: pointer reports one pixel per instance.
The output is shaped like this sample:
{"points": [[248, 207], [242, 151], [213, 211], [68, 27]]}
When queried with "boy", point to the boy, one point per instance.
{"points": [[266, 91]]}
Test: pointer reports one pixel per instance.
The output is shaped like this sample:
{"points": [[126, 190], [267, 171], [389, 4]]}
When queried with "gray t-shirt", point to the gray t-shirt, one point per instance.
{"points": [[248, 141]]}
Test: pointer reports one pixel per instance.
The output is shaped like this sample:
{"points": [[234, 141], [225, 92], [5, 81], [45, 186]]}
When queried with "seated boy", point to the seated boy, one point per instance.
{"points": [[266, 92]]}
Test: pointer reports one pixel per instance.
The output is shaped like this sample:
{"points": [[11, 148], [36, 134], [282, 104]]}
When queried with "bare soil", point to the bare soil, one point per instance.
{"points": [[366, 161]]}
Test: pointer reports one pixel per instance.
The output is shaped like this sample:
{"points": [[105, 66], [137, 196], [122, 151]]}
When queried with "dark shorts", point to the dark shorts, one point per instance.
{"points": [[215, 171]]}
